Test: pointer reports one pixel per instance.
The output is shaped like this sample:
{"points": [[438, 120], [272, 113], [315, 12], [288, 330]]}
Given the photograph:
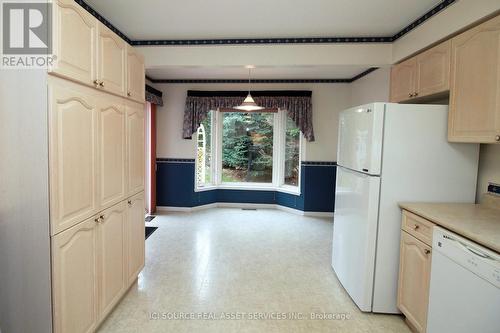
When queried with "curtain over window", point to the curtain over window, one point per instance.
{"points": [[297, 104]]}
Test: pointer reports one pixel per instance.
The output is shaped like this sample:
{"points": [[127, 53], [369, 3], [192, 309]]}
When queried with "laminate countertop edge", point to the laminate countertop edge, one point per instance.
{"points": [[478, 223]]}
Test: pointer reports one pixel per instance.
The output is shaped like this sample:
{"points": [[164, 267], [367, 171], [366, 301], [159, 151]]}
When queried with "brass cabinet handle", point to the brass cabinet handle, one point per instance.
{"points": [[101, 217], [96, 82], [427, 251], [96, 220], [497, 138], [101, 84]]}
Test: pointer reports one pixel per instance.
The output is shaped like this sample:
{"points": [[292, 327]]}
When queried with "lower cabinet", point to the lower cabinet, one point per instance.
{"points": [[74, 278], [414, 280], [111, 249], [136, 236], [94, 263]]}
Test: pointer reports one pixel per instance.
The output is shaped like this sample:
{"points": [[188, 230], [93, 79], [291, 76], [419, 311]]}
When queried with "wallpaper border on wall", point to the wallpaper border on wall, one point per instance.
{"points": [[295, 40], [175, 188]]}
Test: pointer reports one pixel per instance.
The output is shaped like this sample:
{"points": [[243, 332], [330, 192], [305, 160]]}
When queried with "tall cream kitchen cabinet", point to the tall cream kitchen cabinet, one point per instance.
{"points": [[475, 85], [96, 167], [73, 159], [112, 150], [135, 144], [96, 142]]}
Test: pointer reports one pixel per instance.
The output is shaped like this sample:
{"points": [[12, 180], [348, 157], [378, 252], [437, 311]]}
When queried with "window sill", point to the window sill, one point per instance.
{"points": [[283, 189]]}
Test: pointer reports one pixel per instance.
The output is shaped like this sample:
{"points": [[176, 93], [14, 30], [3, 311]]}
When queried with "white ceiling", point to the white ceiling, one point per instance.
{"points": [[216, 19], [296, 72]]}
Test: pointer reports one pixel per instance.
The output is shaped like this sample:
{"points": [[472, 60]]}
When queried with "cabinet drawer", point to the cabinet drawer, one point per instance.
{"points": [[417, 227]]}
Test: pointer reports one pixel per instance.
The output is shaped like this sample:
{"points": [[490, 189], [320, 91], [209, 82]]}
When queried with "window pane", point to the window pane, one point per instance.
{"points": [[204, 152], [292, 153], [247, 147]]}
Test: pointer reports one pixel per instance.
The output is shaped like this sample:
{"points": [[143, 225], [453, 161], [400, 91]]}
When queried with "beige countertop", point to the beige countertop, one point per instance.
{"points": [[479, 223]]}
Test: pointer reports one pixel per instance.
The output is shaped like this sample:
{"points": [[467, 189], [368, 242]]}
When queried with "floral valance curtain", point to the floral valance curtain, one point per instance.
{"points": [[154, 96], [297, 104]]}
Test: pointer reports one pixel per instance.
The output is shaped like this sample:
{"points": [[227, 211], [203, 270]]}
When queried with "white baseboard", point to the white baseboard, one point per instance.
{"points": [[243, 206]]}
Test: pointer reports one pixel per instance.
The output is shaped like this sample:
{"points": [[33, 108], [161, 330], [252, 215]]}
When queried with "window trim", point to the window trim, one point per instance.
{"points": [[278, 178]]}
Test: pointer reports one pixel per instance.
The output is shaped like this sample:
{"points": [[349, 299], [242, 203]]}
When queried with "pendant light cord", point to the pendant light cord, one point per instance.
{"points": [[249, 84]]}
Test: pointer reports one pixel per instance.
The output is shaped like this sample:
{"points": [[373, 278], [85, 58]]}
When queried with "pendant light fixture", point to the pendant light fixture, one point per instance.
{"points": [[249, 103]]}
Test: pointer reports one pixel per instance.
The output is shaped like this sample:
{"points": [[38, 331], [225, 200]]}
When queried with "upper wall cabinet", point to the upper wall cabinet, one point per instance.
{"points": [[135, 75], [475, 85], [74, 42], [403, 78], [90, 53], [433, 70], [423, 75], [112, 51]]}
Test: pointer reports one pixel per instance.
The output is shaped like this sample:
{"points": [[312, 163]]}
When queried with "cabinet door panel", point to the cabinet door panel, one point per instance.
{"points": [[135, 75], [74, 279], [414, 278], [112, 151], [74, 42], [475, 84], [112, 57], [111, 250], [403, 77], [136, 237], [72, 156], [433, 70], [135, 150]]}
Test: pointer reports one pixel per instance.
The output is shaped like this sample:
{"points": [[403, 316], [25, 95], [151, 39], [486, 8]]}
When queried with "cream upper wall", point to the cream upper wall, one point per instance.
{"points": [[328, 100], [372, 88], [454, 18], [268, 55]]}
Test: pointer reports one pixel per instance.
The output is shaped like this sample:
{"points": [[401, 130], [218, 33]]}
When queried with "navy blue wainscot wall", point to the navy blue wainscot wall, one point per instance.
{"points": [[175, 188]]}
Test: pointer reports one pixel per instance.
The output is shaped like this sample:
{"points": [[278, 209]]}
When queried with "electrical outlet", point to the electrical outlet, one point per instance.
{"points": [[494, 188]]}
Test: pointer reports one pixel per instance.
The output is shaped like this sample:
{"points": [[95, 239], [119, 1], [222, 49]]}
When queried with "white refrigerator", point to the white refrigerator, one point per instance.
{"points": [[390, 153]]}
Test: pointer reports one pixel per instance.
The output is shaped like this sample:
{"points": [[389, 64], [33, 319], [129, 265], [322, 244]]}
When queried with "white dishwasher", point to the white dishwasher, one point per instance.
{"points": [[464, 291]]}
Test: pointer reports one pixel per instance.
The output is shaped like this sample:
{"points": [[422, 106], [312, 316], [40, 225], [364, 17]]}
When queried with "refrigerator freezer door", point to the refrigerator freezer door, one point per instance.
{"points": [[355, 234], [360, 138]]}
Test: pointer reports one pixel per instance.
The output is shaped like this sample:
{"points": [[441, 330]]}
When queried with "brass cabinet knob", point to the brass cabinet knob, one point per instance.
{"points": [[427, 251], [129, 94], [497, 138], [96, 83], [101, 217], [129, 202], [415, 94], [410, 95], [101, 84], [416, 227], [96, 220]]}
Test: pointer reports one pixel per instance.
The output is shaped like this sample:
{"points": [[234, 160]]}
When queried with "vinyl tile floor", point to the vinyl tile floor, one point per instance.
{"points": [[233, 270]]}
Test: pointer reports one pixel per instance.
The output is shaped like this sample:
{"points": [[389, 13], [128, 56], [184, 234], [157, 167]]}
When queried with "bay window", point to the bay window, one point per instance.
{"points": [[256, 150]]}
